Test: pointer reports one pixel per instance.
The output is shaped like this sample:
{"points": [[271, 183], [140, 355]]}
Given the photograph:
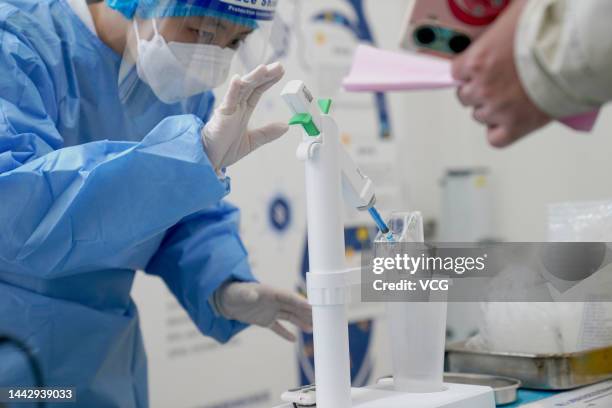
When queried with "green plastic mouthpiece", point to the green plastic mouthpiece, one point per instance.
{"points": [[305, 120]]}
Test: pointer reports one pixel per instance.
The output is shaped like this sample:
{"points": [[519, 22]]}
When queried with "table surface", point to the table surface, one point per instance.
{"points": [[527, 396]]}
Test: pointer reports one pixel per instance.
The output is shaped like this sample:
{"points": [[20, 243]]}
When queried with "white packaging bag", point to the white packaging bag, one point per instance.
{"points": [[560, 327]]}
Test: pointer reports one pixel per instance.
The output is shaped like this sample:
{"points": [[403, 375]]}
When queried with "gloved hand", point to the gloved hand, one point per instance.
{"points": [[263, 306], [226, 136]]}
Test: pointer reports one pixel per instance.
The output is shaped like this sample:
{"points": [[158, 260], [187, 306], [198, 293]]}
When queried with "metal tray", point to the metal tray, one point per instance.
{"points": [[504, 388], [536, 371]]}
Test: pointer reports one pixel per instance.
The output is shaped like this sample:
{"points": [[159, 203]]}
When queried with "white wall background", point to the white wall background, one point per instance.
{"points": [[552, 165]]}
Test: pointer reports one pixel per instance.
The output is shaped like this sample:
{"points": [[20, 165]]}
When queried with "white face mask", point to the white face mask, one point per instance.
{"points": [[175, 71]]}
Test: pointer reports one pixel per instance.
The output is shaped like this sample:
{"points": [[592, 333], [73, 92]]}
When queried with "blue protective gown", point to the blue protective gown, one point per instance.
{"points": [[92, 189]]}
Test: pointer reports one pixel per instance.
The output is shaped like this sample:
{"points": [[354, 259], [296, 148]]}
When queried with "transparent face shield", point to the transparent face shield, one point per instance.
{"points": [[185, 48]]}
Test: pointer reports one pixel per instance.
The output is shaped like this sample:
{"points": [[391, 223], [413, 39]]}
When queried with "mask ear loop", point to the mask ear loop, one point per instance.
{"points": [[135, 25]]}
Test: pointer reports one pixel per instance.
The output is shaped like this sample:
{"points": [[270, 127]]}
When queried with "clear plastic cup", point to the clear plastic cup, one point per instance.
{"points": [[417, 329]]}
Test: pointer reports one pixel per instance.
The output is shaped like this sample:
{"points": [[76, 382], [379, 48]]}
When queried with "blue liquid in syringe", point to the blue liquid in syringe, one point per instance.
{"points": [[382, 225]]}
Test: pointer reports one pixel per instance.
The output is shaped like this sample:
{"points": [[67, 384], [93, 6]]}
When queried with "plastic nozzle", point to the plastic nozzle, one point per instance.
{"points": [[382, 225]]}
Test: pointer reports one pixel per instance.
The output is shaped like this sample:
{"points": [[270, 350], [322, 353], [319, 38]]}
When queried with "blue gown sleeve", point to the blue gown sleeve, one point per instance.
{"points": [[67, 210], [196, 257]]}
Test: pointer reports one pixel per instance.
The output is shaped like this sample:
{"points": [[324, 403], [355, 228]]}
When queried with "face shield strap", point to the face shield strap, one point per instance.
{"points": [[135, 26], [155, 30]]}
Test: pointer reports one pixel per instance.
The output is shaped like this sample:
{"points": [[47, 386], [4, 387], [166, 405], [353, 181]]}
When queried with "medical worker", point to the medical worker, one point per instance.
{"points": [[541, 60], [112, 159]]}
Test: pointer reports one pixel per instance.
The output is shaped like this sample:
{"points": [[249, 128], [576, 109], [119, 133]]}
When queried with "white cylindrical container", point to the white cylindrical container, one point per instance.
{"points": [[326, 255], [417, 329]]}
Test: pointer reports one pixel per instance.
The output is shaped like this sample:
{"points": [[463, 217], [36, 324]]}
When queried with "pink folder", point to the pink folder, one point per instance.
{"points": [[376, 70]]}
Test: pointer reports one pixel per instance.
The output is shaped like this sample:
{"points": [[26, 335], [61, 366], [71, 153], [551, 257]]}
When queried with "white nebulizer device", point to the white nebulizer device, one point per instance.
{"points": [[331, 178]]}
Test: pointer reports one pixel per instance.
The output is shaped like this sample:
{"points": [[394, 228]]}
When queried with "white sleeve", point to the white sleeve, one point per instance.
{"points": [[563, 52]]}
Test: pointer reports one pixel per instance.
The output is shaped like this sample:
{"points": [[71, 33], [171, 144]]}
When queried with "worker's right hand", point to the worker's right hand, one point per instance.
{"points": [[264, 306], [226, 136]]}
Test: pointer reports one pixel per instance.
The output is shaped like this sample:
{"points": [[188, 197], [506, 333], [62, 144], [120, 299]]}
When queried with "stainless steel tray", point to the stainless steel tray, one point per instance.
{"points": [[536, 371], [504, 388]]}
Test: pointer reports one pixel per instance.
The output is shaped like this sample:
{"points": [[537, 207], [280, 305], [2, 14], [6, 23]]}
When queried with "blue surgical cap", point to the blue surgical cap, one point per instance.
{"points": [[147, 9]]}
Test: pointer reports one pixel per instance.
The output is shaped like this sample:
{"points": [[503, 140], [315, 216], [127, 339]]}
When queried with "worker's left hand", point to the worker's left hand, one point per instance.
{"points": [[264, 306], [491, 84], [226, 136]]}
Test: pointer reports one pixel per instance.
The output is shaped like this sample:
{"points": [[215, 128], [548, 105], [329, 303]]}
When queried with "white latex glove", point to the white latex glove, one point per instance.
{"points": [[263, 306], [226, 136]]}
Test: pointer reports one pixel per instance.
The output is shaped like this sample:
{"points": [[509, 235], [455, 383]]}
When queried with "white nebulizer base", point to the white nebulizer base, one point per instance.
{"points": [[383, 395]]}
